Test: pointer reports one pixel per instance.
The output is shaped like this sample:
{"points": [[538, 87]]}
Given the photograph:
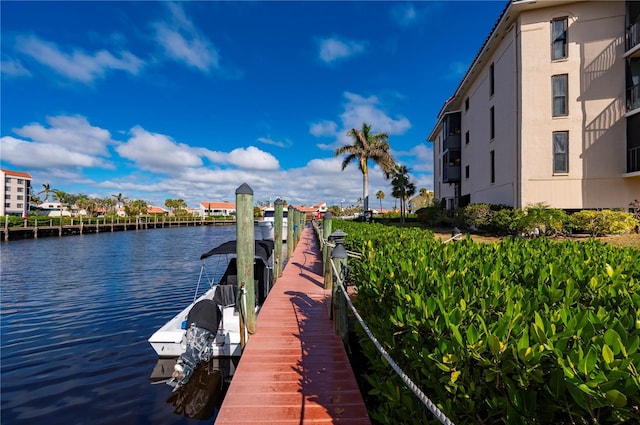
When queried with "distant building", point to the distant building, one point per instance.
{"points": [[216, 208], [54, 209], [548, 112], [315, 211], [152, 209], [16, 193]]}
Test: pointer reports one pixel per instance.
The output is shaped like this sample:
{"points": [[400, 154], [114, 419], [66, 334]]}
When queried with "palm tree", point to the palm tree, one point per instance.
{"points": [[403, 188], [46, 189], [367, 146], [61, 197], [120, 199], [380, 196]]}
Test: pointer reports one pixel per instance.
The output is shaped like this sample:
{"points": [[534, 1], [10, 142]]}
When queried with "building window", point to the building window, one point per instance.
{"points": [[466, 104], [559, 38], [492, 85], [492, 123], [7, 196], [20, 189], [20, 198], [19, 206], [466, 138], [7, 180], [20, 181], [492, 159], [560, 90], [466, 172], [560, 152]]}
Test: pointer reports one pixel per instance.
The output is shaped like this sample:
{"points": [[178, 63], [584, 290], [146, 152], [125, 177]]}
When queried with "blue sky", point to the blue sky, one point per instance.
{"points": [[160, 100]]}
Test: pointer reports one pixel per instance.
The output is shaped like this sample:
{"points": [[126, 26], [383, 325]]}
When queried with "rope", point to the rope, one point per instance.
{"points": [[413, 387]]}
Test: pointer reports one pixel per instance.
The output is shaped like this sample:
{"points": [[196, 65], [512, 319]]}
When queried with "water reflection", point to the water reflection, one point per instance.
{"points": [[201, 396]]}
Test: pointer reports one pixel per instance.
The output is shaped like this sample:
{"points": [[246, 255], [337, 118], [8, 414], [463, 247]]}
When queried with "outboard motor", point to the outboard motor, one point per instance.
{"points": [[202, 324]]}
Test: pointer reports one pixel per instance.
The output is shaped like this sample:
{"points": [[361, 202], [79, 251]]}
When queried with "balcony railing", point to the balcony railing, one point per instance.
{"points": [[633, 97], [451, 174], [451, 142], [633, 36], [633, 160]]}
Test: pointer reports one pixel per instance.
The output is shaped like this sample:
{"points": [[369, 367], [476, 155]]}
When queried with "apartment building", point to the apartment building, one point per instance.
{"points": [[548, 111], [16, 192]]}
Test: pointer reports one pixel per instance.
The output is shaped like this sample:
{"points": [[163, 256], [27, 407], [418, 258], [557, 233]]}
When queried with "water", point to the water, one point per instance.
{"points": [[76, 313]]}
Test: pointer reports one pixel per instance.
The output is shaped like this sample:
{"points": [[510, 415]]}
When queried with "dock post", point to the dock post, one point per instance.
{"points": [[245, 247], [326, 258], [277, 235], [291, 215]]}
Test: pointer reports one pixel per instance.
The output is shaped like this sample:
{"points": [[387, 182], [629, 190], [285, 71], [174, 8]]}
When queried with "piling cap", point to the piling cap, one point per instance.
{"points": [[327, 216], [278, 202], [244, 189]]}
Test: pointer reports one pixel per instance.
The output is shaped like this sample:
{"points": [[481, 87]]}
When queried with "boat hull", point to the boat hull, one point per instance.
{"points": [[267, 230], [168, 341]]}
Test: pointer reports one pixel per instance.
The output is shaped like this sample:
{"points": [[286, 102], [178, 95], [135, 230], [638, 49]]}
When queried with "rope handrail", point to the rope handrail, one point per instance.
{"points": [[412, 386]]}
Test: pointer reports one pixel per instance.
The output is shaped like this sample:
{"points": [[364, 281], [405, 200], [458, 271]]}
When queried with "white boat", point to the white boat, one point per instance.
{"points": [[267, 224], [209, 327]]}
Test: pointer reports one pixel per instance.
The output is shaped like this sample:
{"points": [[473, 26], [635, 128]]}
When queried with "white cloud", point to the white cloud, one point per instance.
{"points": [[34, 155], [253, 158], [421, 157], [333, 49], [69, 132], [13, 68], [183, 42], [68, 142], [77, 65], [404, 14], [323, 128], [359, 109], [269, 141], [157, 152]]}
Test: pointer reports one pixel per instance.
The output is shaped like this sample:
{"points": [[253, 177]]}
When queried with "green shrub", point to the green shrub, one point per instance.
{"points": [[604, 222], [507, 222], [433, 215], [477, 216], [548, 221], [518, 332]]}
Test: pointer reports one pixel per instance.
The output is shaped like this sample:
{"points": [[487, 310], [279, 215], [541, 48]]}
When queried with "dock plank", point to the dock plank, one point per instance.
{"points": [[294, 369]]}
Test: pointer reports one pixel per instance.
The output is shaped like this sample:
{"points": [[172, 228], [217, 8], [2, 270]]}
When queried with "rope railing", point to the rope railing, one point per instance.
{"points": [[408, 382]]}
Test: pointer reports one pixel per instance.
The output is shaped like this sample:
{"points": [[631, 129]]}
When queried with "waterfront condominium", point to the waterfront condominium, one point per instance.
{"points": [[548, 112], [16, 192]]}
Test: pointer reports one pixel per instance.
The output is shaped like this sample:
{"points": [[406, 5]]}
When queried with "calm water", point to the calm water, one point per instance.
{"points": [[76, 313]]}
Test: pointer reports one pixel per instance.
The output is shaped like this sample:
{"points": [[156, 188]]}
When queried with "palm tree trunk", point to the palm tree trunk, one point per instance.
{"points": [[365, 190]]}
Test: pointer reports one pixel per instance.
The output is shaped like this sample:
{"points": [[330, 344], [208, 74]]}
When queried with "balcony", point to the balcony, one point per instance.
{"points": [[451, 174], [452, 141], [633, 97], [633, 160], [633, 37]]}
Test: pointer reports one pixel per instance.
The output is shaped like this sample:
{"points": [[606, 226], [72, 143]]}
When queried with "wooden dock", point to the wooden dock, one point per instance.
{"points": [[294, 369]]}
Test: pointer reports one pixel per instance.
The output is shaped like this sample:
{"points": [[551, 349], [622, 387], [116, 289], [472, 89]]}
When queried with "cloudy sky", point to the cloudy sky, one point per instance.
{"points": [[161, 100]]}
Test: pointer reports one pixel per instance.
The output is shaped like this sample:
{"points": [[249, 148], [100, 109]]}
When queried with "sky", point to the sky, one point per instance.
{"points": [[190, 100]]}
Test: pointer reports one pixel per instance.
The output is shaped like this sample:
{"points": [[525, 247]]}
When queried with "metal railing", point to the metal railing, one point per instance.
{"points": [[633, 36], [633, 97], [633, 160]]}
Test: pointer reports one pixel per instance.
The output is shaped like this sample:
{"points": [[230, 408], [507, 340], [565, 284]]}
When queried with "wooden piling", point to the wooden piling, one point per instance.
{"points": [[326, 252], [277, 235], [245, 248]]}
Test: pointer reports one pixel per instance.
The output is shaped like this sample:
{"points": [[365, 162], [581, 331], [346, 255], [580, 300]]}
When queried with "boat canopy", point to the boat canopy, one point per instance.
{"points": [[263, 250]]}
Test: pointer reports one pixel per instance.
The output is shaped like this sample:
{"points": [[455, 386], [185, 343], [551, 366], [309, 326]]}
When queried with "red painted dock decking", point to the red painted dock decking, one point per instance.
{"points": [[294, 369]]}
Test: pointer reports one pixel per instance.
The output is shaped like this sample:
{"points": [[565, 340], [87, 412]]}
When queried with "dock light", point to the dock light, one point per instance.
{"points": [[339, 251]]}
